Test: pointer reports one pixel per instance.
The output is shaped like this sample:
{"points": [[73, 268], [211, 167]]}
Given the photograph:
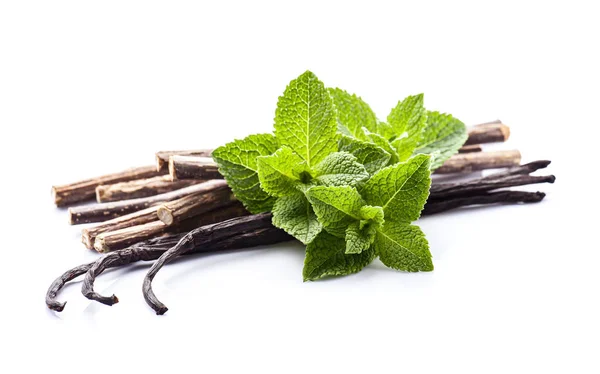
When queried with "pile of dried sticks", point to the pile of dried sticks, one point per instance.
{"points": [[145, 212]]}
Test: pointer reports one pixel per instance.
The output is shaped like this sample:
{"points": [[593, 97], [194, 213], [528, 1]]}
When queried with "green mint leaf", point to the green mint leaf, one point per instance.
{"points": [[383, 143], [279, 173], [357, 239], [385, 130], [370, 155], [305, 119], [340, 169], [403, 247], [443, 136], [408, 117], [237, 163], [325, 256], [336, 207], [361, 234], [353, 113], [401, 189], [294, 215]]}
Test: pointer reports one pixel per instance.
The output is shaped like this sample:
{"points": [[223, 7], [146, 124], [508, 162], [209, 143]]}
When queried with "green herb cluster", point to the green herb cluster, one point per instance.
{"points": [[339, 180]]}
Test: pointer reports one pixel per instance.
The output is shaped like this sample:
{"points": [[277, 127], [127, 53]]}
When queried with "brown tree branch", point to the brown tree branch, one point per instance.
{"points": [[105, 211], [141, 188], [85, 190], [470, 162]]}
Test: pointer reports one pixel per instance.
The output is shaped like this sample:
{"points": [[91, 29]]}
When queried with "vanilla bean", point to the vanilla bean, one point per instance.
{"points": [[85, 190], [208, 213], [470, 162], [162, 157], [253, 239], [197, 238], [470, 148], [150, 246], [501, 197], [449, 190], [193, 167], [141, 188], [60, 282], [149, 214], [490, 132], [106, 211]]}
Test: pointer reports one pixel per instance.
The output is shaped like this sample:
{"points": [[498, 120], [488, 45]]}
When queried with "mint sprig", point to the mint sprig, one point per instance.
{"points": [[341, 181]]}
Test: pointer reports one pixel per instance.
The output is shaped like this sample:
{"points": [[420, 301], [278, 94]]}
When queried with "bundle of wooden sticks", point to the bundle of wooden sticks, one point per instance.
{"points": [[184, 190]]}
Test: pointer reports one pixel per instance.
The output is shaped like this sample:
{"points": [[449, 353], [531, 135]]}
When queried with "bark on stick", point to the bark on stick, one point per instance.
{"points": [[162, 157], [106, 211], [470, 162], [193, 167], [490, 132], [85, 190], [141, 188]]}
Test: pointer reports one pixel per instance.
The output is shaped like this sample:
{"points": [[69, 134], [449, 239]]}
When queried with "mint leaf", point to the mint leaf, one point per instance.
{"points": [[353, 113], [385, 130], [357, 239], [403, 247], [382, 142], [294, 215], [443, 136], [279, 173], [325, 256], [401, 190], [370, 155], [237, 163], [336, 207], [340, 169], [407, 117], [305, 119], [361, 234]]}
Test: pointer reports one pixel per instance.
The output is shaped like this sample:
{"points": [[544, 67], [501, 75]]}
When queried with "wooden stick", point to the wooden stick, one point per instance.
{"points": [[162, 157], [189, 206], [70, 194], [193, 167], [490, 132], [470, 162], [470, 148], [118, 239], [105, 211], [141, 188], [149, 215]]}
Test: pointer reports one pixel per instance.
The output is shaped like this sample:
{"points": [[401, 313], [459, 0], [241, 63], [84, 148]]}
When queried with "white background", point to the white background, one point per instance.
{"points": [[88, 88]]}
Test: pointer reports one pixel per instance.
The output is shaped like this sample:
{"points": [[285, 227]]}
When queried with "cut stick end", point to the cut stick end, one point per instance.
{"points": [[505, 131], [160, 163], [87, 239], [172, 171], [165, 215], [100, 245]]}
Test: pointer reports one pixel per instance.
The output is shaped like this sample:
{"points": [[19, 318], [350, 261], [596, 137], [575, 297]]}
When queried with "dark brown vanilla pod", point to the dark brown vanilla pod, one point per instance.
{"points": [[106, 211], [198, 238], [476, 161], [140, 188], [162, 157], [85, 190], [449, 190], [500, 197], [253, 239], [193, 167], [490, 132]]}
